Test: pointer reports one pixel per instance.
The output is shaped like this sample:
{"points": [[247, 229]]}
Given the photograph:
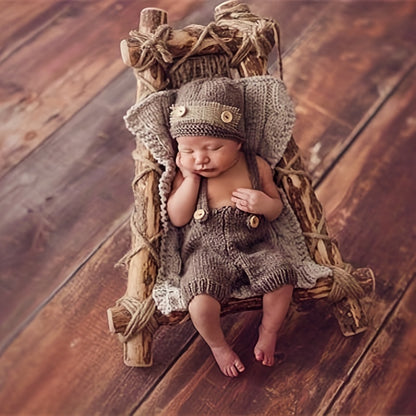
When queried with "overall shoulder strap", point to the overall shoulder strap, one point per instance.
{"points": [[202, 202], [253, 169]]}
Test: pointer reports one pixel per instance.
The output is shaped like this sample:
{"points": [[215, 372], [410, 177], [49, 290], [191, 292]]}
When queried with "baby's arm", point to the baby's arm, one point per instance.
{"points": [[183, 197], [266, 202]]}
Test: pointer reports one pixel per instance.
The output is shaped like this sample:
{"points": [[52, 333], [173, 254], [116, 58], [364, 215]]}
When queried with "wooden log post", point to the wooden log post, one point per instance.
{"points": [[251, 56], [145, 220], [298, 187]]}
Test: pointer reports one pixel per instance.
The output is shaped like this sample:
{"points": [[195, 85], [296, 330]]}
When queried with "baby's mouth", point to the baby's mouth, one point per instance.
{"points": [[205, 172]]}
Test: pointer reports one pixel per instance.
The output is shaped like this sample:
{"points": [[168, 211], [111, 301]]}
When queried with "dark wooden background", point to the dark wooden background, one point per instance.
{"points": [[65, 200]]}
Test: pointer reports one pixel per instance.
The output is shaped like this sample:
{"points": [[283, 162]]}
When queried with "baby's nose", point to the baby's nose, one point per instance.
{"points": [[201, 158]]}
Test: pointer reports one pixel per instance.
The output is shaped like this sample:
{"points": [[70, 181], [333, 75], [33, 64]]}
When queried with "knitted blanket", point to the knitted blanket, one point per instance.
{"points": [[269, 119]]}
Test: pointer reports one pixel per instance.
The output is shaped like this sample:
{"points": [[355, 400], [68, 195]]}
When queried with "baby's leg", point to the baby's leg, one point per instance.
{"points": [[205, 315], [275, 307]]}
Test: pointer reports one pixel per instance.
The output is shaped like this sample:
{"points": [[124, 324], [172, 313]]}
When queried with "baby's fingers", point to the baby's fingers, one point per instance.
{"points": [[242, 193], [240, 203]]}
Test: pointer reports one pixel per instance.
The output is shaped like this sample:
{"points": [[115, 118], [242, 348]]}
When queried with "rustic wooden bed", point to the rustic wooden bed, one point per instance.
{"points": [[236, 44]]}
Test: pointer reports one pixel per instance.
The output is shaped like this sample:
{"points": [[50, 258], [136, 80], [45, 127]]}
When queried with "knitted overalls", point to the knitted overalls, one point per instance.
{"points": [[225, 248]]}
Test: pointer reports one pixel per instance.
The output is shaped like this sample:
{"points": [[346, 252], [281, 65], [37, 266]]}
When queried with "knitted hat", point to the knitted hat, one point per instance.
{"points": [[268, 118], [209, 107]]}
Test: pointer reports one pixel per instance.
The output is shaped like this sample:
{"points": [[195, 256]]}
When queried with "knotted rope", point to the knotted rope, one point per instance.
{"points": [[140, 239], [153, 47], [142, 315], [239, 16], [344, 284], [317, 235], [146, 165], [152, 50], [288, 169]]}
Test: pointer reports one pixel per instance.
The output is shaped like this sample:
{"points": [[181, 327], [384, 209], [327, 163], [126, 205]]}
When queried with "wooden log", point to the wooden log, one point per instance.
{"points": [[145, 218], [308, 210], [324, 250], [195, 40], [120, 317], [181, 42]]}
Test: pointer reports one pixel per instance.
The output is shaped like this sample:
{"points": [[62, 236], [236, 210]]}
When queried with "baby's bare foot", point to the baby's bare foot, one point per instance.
{"points": [[228, 361], [265, 347]]}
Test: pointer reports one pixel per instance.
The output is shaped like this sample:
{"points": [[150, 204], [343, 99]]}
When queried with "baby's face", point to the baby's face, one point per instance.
{"points": [[208, 156]]}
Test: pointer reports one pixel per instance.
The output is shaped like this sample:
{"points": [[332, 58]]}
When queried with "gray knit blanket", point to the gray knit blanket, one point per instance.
{"points": [[269, 120]]}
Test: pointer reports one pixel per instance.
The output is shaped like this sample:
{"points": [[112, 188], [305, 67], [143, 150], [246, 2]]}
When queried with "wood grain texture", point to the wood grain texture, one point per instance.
{"points": [[66, 363], [72, 47], [145, 220], [20, 23], [388, 371], [60, 204], [342, 70]]}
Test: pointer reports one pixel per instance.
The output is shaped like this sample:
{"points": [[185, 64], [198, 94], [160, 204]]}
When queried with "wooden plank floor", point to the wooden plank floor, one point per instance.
{"points": [[65, 199]]}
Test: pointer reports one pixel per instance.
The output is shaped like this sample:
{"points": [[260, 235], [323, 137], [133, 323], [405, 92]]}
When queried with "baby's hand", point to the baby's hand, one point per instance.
{"points": [[256, 202], [249, 200], [185, 172]]}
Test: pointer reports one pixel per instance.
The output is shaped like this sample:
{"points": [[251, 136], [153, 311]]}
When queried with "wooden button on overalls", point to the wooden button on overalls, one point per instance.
{"points": [[253, 221], [200, 214]]}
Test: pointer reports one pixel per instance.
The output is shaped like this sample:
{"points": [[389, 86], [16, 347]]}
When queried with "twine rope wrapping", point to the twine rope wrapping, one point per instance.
{"points": [[344, 284], [238, 11], [141, 243], [317, 235], [288, 170], [141, 240], [234, 16], [142, 315], [147, 166], [208, 30], [152, 48]]}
